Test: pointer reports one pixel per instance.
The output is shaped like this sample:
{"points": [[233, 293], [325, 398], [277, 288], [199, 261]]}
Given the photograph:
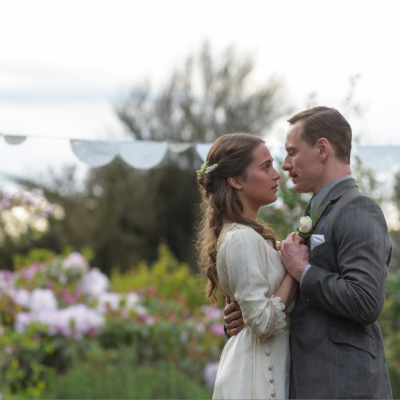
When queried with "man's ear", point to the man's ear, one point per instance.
{"points": [[234, 182], [324, 148]]}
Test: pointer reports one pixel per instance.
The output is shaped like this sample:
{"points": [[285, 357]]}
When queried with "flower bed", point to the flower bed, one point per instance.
{"points": [[53, 306]]}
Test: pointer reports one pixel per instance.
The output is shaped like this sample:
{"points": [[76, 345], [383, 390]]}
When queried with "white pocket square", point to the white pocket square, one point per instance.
{"points": [[316, 240]]}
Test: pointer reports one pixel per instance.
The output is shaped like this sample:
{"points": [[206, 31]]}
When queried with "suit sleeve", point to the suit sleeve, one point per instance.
{"points": [[363, 253], [262, 312]]}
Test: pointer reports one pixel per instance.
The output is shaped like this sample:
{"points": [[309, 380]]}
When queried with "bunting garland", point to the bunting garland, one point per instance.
{"points": [[147, 154]]}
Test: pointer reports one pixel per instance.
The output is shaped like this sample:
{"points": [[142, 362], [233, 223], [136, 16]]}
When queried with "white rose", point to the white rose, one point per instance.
{"points": [[305, 224]]}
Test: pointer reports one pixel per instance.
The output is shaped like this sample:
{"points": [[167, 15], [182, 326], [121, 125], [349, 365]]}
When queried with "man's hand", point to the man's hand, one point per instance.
{"points": [[233, 317], [294, 257]]}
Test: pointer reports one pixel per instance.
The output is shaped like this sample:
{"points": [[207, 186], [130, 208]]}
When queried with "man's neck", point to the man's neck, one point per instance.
{"points": [[331, 176]]}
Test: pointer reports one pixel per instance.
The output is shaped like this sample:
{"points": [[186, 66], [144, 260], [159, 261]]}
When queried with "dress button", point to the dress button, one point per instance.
{"points": [[271, 380], [273, 393], [270, 367], [267, 353]]}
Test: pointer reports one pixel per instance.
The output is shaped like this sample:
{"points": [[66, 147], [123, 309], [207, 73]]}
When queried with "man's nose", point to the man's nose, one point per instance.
{"points": [[286, 166]]}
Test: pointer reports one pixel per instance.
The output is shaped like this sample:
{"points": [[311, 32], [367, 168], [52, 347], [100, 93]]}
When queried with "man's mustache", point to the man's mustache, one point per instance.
{"points": [[290, 175]]}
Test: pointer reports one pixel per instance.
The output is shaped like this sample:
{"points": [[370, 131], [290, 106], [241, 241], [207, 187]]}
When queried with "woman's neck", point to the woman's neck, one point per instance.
{"points": [[250, 212]]}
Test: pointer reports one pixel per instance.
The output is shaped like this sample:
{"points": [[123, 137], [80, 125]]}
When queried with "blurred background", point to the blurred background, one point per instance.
{"points": [[100, 294]]}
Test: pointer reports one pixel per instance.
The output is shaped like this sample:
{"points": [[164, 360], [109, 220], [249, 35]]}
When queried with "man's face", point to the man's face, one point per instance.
{"points": [[301, 162]]}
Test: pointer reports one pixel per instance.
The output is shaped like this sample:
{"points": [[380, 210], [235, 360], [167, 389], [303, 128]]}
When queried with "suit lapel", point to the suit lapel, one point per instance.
{"points": [[336, 192]]}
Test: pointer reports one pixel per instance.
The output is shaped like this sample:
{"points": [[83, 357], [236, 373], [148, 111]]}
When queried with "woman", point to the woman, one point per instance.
{"points": [[239, 255]]}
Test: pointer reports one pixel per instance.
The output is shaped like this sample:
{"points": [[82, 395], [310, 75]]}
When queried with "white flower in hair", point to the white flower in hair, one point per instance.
{"points": [[205, 169]]}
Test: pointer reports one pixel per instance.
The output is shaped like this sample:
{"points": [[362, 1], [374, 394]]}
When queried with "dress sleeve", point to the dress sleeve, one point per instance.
{"points": [[262, 312]]}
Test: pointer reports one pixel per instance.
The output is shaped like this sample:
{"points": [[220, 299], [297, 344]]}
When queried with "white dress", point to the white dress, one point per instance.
{"points": [[255, 364]]}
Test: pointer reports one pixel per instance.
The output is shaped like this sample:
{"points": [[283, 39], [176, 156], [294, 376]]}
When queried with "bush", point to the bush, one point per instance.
{"points": [[167, 276], [118, 376], [58, 315]]}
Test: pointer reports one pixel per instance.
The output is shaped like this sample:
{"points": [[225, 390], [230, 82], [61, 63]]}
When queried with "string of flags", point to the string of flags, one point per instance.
{"points": [[147, 154]]}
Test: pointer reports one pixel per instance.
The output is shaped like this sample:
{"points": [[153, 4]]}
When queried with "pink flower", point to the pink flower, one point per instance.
{"points": [[69, 297], [149, 321], [72, 322], [94, 283], [217, 329], [200, 327], [22, 320], [111, 300], [43, 299], [50, 285], [151, 291], [6, 201], [22, 297], [31, 271], [76, 261], [6, 275], [210, 374], [212, 313]]}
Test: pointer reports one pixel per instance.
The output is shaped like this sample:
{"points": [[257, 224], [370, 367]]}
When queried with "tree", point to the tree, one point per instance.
{"points": [[124, 214], [203, 100]]}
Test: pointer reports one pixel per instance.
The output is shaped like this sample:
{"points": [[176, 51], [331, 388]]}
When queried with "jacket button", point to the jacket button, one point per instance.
{"points": [[302, 299], [271, 380], [273, 393], [267, 353], [307, 300], [270, 367]]}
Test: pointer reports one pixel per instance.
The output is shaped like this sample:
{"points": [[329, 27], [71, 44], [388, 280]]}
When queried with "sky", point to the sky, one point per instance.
{"points": [[64, 64]]}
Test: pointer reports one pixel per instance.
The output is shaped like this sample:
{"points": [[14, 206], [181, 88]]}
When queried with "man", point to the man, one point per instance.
{"points": [[336, 341]]}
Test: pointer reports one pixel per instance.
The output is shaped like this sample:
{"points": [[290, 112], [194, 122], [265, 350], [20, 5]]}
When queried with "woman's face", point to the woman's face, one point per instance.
{"points": [[261, 183]]}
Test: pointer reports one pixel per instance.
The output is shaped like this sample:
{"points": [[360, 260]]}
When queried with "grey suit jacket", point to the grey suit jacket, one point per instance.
{"points": [[336, 340]]}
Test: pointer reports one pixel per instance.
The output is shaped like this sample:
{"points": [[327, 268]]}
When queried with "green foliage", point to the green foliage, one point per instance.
{"points": [[167, 277], [390, 324], [23, 367], [168, 330], [34, 255], [116, 375]]}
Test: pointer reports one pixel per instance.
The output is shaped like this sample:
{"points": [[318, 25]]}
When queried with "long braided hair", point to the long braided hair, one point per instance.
{"points": [[220, 204]]}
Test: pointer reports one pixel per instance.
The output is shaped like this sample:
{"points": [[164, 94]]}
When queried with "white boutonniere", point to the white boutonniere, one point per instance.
{"points": [[307, 223]]}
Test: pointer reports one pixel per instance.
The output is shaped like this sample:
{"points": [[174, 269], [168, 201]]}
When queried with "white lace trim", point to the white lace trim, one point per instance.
{"points": [[277, 321]]}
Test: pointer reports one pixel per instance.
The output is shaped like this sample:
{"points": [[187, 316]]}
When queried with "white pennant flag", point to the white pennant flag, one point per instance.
{"points": [[143, 154], [96, 153]]}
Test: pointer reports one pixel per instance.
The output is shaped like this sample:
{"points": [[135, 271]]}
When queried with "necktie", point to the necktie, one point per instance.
{"points": [[308, 207]]}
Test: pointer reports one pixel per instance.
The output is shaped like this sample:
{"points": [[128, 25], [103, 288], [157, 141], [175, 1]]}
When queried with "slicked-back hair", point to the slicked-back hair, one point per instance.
{"points": [[325, 122]]}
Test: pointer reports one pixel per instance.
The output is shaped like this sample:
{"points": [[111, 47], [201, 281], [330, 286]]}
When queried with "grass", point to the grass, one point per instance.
{"points": [[122, 378]]}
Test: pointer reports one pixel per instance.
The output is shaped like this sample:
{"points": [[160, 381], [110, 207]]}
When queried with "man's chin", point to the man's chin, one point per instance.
{"points": [[299, 189]]}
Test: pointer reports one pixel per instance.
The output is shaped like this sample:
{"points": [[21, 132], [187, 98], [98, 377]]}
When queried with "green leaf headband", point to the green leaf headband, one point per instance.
{"points": [[205, 169]]}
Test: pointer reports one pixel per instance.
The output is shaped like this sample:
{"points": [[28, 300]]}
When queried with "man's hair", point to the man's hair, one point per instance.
{"points": [[328, 123]]}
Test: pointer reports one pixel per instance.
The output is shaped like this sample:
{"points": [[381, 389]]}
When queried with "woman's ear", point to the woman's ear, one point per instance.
{"points": [[234, 182]]}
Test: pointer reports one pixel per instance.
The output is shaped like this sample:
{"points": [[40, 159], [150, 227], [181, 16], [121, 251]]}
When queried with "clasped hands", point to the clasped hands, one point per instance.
{"points": [[294, 256]]}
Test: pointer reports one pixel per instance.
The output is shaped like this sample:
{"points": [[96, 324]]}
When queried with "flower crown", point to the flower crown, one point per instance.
{"points": [[205, 169]]}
